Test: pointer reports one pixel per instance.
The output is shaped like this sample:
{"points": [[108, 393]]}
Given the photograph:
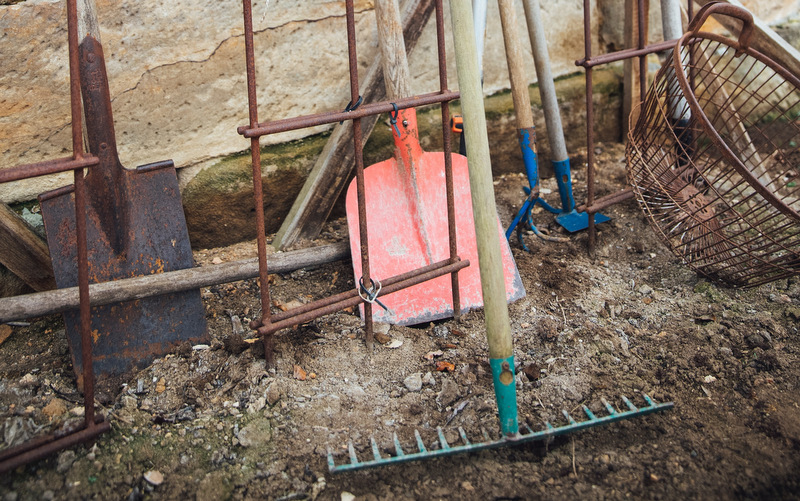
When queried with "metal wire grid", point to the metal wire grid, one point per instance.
{"points": [[268, 324], [712, 161], [93, 424]]}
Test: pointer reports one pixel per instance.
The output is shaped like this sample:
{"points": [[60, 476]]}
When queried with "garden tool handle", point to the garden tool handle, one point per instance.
{"points": [[728, 10], [526, 133], [396, 74], [397, 78], [87, 20], [516, 67], [544, 75]]}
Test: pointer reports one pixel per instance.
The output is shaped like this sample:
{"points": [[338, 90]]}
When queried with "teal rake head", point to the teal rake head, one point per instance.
{"points": [[442, 448]]}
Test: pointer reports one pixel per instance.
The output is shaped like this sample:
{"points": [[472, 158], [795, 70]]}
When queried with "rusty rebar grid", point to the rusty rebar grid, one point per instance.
{"points": [[588, 62], [93, 425], [268, 324]]}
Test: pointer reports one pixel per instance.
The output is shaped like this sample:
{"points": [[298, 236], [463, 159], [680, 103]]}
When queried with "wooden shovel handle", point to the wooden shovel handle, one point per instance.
{"points": [[393, 49], [516, 66], [87, 20]]}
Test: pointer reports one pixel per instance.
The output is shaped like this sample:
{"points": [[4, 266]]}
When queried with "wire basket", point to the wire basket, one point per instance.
{"points": [[713, 158]]}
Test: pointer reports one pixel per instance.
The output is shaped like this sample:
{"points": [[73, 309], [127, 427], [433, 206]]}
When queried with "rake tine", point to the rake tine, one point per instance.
{"points": [[441, 447], [463, 436], [648, 400], [375, 451], [442, 440], [632, 407], [397, 448], [420, 443], [609, 407], [331, 462], [352, 450]]}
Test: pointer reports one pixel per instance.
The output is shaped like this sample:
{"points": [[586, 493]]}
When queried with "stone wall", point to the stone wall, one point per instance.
{"points": [[177, 71]]}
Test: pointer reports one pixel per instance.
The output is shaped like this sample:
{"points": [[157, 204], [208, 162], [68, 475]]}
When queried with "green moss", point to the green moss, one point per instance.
{"points": [[702, 287], [231, 172], [218, 201]]}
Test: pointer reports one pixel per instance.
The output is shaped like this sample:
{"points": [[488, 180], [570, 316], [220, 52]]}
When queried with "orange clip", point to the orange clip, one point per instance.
{"points": [[457, 124]]}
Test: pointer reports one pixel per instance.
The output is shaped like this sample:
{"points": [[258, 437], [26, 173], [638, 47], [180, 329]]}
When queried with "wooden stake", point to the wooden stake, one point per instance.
{"points": [[23, 252]]}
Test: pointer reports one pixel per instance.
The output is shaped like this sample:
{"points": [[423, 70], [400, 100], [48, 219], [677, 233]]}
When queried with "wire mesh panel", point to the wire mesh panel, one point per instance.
{"points": [[713, 159]]}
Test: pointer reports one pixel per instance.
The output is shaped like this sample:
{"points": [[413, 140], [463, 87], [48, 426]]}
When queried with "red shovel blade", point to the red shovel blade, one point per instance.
{"points": [[407, 228]]}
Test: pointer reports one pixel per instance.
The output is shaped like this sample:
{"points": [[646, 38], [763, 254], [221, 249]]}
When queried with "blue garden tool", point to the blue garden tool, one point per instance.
{"points": [[568, 217], [498, 327], [526, 131]]}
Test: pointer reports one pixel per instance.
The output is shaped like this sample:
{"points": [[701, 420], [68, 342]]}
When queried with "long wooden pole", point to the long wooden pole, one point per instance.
{"points": [[490, 260], [60, 300]]}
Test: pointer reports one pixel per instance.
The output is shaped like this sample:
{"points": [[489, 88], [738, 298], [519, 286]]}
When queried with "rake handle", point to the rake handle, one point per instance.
{"points": [[490, 259]]}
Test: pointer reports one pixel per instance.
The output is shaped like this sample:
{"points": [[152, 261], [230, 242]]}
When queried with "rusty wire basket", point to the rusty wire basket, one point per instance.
{"points": [[713, 158]]}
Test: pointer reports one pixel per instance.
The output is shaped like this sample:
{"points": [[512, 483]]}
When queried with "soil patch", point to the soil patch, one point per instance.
{"points": [[214, 423]]}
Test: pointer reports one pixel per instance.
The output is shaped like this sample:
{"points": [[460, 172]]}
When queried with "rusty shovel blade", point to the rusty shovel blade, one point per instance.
{"points": [[135, 227]]}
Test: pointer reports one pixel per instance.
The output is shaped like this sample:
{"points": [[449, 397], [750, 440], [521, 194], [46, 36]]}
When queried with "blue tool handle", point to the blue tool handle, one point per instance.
{"points": [[505, 392], [518, 218], [564, 180], [527, 144]]}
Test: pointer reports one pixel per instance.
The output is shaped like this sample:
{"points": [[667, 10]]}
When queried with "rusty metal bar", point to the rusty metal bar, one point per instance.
{"points": [[448, 160], [642, 43], [40, 448], [620, 55], [389, 286], [588, 62], [258, 189], [352, 293], [607, 201], [587, 45], [47, 167], [93, 425], [330, 117], [269, 324], [83, 294], [358, 148]]}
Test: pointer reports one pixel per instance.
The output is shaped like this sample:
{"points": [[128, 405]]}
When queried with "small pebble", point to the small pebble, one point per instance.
{"points": [[154, 477], [413, 382]]}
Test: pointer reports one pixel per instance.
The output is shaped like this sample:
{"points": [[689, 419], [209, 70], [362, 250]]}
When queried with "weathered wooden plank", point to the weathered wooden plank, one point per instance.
{"points": [[333, 168], [60, 300], [764, 39], [23, 252]]}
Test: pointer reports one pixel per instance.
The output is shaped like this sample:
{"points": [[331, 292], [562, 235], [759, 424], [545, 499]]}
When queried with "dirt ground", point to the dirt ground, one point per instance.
{"points": [[212, 422]]}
